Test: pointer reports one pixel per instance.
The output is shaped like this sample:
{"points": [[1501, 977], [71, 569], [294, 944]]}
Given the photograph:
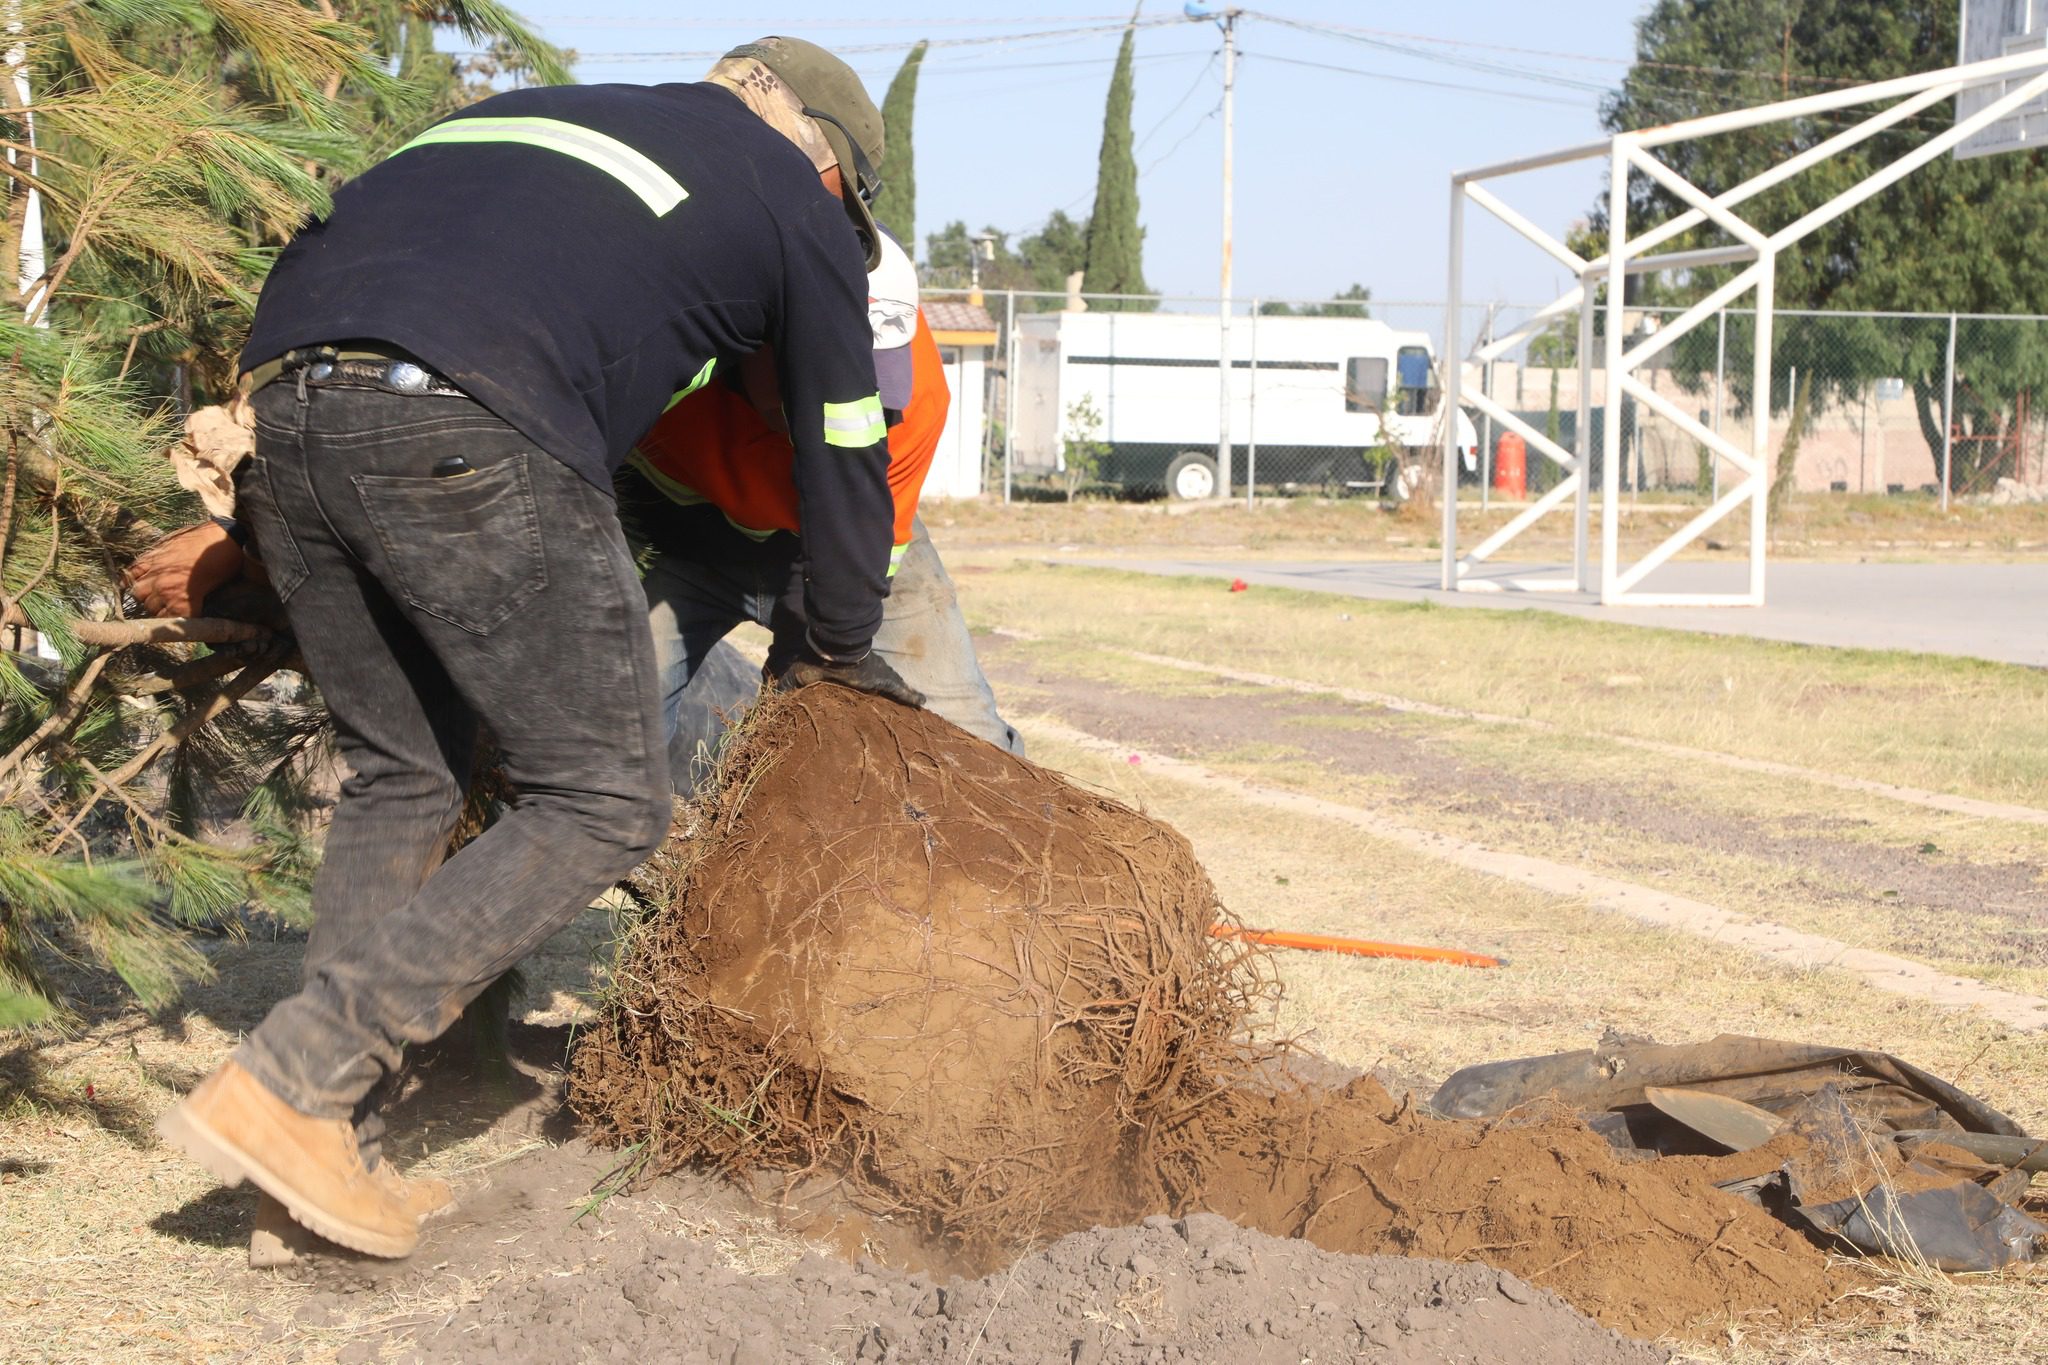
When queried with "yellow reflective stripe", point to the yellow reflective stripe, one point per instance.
{"points": [[685, 496], [856, 425], [669, 488], [652, 185], [896, 554], [703, 378]]}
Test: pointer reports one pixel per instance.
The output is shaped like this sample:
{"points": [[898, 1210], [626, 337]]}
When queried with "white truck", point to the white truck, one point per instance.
{"points": [[1135, 393]]}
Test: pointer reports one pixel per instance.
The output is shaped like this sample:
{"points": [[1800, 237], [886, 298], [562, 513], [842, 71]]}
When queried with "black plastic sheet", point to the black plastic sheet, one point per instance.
{"points": [[1845, 1103]]}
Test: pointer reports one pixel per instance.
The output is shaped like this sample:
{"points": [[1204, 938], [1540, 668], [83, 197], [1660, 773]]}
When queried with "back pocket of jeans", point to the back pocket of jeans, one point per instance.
{"points": [[465, 549]]}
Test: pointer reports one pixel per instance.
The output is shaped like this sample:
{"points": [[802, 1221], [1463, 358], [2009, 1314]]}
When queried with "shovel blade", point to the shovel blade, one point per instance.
{"points": [[1734, 1124]]}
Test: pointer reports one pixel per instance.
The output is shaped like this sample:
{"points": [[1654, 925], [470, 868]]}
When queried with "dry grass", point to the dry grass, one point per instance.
{"points": [[1945, 724], [1813, 526], [1576, 975]]}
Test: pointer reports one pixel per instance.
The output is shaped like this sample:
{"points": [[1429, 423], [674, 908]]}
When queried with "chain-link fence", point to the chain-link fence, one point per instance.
{"points": [[1332, 397]]}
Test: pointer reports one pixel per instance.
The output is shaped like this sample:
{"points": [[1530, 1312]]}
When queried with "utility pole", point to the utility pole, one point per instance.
{"points": [[1227, 21]]}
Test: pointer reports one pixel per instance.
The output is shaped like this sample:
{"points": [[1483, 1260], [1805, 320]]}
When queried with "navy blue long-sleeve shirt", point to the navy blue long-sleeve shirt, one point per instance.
{"points": [[574, 257]]}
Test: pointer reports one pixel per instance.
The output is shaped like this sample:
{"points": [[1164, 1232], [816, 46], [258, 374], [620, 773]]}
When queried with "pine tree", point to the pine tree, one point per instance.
{"points": [[896, 205], [1115, 259], [175, 143]]}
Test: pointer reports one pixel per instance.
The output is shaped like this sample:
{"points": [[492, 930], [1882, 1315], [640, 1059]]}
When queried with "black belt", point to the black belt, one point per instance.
{"points": [[353, 367]]}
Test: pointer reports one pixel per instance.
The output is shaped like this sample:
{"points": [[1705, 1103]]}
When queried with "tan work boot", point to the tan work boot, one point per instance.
{"points": [[276, 1240], [421, 1196], [234, 1127]]}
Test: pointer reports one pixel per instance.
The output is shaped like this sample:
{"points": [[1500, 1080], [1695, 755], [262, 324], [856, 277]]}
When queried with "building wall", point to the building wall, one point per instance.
{"points": [[1867, 445], [956, 468]]}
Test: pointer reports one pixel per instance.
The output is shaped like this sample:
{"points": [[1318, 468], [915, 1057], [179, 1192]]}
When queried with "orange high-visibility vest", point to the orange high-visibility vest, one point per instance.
{"points": [[711, 446]]}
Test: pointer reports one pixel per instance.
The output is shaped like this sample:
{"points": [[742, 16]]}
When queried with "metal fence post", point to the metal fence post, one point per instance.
{"points": [[1720, 373], [1009, 387], [1948, 415], [1251, 416], [1485, 419]]}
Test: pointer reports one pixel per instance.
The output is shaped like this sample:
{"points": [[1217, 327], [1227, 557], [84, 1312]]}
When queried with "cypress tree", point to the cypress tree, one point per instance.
{"points": [[896, 205], [1116, 243]]}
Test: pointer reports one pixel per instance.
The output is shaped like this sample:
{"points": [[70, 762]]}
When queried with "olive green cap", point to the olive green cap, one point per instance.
{"points": [[838, 103]]}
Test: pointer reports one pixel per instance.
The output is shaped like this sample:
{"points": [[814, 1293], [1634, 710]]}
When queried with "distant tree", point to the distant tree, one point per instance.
{"points": [[1115, 243], [1056, 251], [1955, 235], [1040, 263], [1354, 302], [896, 206]]}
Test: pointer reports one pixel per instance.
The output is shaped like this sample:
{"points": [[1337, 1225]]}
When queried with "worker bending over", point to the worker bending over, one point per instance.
{"points": [[710, 490], [447, 371]]}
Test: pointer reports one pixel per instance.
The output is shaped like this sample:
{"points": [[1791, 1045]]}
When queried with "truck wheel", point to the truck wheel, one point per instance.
{"points": [[1191, 477]]}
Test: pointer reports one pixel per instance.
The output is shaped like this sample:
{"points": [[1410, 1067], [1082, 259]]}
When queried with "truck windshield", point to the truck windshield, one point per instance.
{"points": [[1412, 368], [1365, 383]]}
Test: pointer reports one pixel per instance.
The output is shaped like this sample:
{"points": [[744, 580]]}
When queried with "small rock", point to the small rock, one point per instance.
{"points": [[1514, 1289], [1142, 1265], [1232, 1260], [1159, 1222], [928, 1306]]}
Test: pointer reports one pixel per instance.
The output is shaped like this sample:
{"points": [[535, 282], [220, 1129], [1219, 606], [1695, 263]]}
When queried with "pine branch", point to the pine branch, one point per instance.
{"points": [[72, 704], [163, 630], [181, 678], [240, 686]]}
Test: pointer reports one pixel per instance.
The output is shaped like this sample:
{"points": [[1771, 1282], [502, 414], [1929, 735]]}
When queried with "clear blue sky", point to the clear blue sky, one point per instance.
{"points": [[1341, 173]]}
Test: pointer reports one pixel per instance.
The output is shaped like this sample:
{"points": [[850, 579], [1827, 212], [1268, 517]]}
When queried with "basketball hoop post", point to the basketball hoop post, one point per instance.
{"points": [[2022, 80]]}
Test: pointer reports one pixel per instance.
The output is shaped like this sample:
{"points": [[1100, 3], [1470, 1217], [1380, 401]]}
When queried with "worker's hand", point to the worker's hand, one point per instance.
{"points": [[173, 577], [871, 674]]}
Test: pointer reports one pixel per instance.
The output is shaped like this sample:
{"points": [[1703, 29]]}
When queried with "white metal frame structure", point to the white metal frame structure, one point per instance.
{"points": [[2023, 77]]}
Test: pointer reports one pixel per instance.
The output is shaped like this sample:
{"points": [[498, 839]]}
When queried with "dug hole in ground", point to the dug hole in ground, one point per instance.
{"points": [[890, 970]]}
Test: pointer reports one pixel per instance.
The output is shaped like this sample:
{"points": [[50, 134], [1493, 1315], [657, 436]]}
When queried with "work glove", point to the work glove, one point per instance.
{"points": [[871, 674]]}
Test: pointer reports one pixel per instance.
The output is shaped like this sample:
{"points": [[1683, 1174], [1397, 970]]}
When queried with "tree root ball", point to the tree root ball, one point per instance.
{"points": [[989, 1002], [985, 997]]}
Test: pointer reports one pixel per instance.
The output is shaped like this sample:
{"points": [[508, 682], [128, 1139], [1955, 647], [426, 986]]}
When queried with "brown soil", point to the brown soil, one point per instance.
{"points": [[628, 1284], [988, 1000], [1648, 1247]]}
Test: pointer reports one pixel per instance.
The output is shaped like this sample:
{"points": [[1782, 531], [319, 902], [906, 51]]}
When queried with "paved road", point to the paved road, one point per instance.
{"points": [[1985, 611]]}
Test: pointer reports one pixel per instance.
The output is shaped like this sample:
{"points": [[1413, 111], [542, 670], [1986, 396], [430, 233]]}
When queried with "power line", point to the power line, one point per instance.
{"points": [[1390, 36], [1420, 80], [843, 49], [1181, 141], [1186, 95], [757, 23]]}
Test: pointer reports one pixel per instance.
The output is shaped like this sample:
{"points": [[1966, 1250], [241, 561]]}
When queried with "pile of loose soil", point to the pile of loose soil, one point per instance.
{"points": [[1650, 1247], [628, 1288], [990, 1002]]}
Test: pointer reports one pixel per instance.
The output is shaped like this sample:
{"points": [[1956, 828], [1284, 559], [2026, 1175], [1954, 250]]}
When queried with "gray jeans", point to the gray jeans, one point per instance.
{"points": [[424, 606], [691, 607]]}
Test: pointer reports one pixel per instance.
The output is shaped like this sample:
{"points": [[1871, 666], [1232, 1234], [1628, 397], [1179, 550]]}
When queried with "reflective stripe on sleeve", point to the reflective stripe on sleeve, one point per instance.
{"points": [[683, 495], [856, 425], [896, 554], [652, 185]]}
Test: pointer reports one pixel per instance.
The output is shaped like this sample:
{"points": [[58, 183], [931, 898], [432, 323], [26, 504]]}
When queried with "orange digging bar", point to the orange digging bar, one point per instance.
{"points": [[1357, 947]]}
